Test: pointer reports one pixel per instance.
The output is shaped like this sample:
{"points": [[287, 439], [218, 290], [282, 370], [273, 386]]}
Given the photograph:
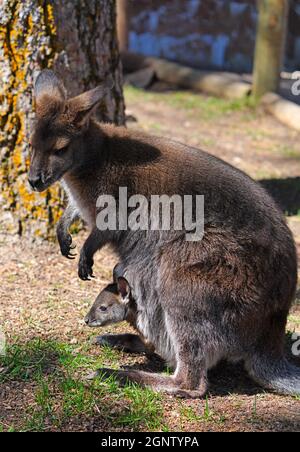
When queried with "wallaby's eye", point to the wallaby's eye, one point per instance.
{"points": [[103, 308], [61, 145], [61, 150]]}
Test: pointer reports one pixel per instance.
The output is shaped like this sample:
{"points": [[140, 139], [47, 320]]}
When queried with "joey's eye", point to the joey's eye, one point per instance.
{"points": [[103, 308]]}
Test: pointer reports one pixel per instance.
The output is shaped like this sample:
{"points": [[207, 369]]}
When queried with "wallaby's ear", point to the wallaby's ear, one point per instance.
{"points": [[83, 106], [49, 93], [124, 289]]}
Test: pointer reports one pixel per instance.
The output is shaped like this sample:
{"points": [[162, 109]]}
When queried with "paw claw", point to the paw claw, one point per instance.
{"points": [[66, 246], [85, 269]]}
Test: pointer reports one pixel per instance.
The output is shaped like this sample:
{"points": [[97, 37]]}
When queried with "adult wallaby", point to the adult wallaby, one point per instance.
{"points": [[115, 304], [225, 296]]}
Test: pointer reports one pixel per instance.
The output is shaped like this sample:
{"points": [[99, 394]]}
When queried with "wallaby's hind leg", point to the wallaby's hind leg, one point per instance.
{"points": [[130, 343], [189, 380], [172, 385], [191, 373]]}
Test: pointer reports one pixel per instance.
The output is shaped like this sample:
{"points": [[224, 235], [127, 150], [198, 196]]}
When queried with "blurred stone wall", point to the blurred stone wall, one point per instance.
{"points": [[216, 34]]}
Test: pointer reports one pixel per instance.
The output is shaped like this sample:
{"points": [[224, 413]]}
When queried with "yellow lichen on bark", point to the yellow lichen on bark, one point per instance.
{"points": [[27, 29]]}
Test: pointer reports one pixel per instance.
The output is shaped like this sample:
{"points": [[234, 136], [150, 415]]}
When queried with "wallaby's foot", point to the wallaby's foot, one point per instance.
{"points": [[130, 343], [65, 243], [157, 382], [186, 393], [85, 267]]}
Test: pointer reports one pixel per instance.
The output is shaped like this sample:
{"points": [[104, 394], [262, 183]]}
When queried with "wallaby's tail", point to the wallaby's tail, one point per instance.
{"points": [[278, 375]]}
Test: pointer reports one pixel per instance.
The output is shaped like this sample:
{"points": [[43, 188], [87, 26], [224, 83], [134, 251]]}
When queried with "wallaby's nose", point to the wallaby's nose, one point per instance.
{"points": [[35, 182], [87, 320]]}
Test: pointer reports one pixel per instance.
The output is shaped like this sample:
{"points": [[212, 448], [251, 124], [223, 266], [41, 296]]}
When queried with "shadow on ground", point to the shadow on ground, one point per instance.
{"points": [[286, 193]]}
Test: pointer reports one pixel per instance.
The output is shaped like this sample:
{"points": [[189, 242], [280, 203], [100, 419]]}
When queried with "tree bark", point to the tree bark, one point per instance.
{"points": [[78, 40], [270, 43]]}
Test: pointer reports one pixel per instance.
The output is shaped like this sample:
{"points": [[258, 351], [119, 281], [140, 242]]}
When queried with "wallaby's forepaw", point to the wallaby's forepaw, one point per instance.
{"points": [[85, 268], [128, 343], [65, 243], [104, 341]]}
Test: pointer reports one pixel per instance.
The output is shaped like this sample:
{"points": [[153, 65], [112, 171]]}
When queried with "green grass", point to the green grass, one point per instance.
{"points": [[55, 372], [289, 152], [207, 414], [257, 134], [204, 107], [6, 429], [145, 407], [188, 413], [30, 361], [77, 398], [254, 408], [294, 319]]}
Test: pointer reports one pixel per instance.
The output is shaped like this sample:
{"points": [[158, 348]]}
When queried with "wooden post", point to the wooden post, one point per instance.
{"points": [[123, 24], [270, 44]]}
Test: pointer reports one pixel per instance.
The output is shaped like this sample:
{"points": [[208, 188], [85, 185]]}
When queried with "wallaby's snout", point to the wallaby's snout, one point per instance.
{"points": [[37, 178], [86, 319], [35, 182], [42, 172]]}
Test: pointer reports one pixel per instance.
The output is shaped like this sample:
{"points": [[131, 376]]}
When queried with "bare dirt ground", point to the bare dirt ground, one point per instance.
{"points": [[42, 302]]}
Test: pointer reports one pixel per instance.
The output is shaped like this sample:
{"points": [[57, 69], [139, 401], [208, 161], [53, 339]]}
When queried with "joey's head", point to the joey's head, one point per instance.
{"points": [[111, 305], [59, 130]]}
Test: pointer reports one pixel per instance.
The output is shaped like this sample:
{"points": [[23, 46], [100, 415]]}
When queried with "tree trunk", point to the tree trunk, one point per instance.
{"points": [[78, 40], [270, 44], [123, 24]]}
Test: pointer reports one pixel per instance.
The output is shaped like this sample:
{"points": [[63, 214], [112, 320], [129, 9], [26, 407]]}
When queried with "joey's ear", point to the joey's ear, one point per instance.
{"points": [[124, 289], [49, 93], [83, 106]]}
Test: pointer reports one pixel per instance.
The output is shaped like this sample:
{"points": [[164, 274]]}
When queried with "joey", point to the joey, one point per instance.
{"points": [[115, 304]]}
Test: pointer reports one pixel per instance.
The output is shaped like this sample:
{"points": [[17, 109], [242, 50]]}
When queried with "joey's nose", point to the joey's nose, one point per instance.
{"points": [[35, 182], [87, 320]]}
